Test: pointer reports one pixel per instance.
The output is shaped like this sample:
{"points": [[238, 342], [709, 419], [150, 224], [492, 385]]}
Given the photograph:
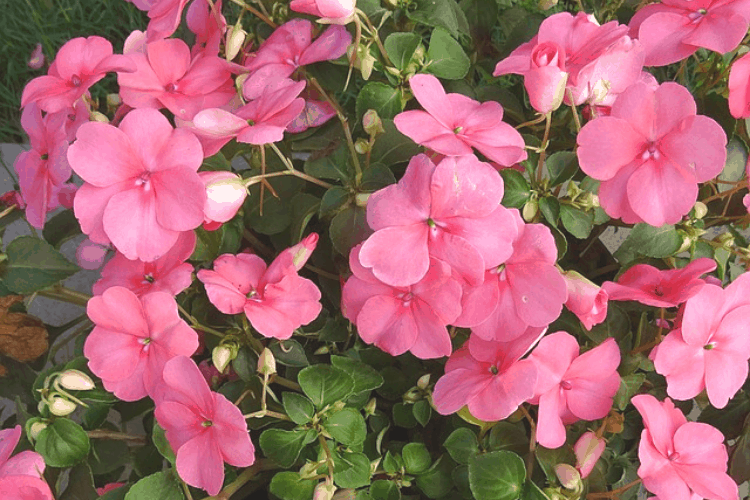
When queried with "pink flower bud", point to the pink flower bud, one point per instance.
{"points": [[225, 194], [36, 60], [13, 198], [585, 299], [329, 11], [545, 82], [588, 449], [90, 255], [302, 250]]}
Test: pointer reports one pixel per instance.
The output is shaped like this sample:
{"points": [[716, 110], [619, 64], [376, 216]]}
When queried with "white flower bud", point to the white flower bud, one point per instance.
{"points": [[235, 40], [221, 356], [60, 406], [35, 429], [700, 209], [423, 381], [266, 362], [99, 117], [75, 380], [324, 491]]}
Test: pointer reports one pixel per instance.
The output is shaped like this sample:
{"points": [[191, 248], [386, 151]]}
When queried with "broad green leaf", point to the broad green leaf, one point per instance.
{"points": [[365, 377], [445, 57], [325, 384], [351, 470], [462, 445], [629, 386], [107, 455], [334, 166], [215, 163], [730, 419], [63, 443], [498, 475], [577, 222], [734, 168], [283, 447], [416, 458], [481, 15], [349, 228], [159, 438], [532, 492], [403, 416], [61, 228], [377, 176], [517, 189], [437, 482], [381, 97], [392, 146], [298, 407], [444, 13], [384, 490], [400, 48], [550, 208], [33, 264], [303, 206], [508, 437], [80, 484], [289, 486], [562, 166], [116, 494], [422, 412], [739, 464], [334, 199], [656, 242], [276, 216], [334, 330], [162, 485], [289, 353], [347, 426]]}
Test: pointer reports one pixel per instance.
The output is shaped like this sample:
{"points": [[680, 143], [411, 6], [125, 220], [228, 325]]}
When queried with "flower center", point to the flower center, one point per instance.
{"points": [[144, 181], [207, 423], [170, 87], [493, 370], [709, 346], [566, 385], [45, 156], [253, 295], [674, 456], [697, 15], [458, 130], [431, 223], [651, 152], [251, 122], [405, 298], [148, 278], [76, 80], [659, 291]]}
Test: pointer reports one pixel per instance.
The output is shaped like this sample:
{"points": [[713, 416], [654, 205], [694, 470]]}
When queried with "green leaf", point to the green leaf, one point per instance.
{"points": [[289, 486], [444, 13], [116, 494], [437, 481], [351, 470], [289, 353], [334, 199], [334, 166], [283, 447], [366, 378], [400, 48], [207, 244], [739, 463], [107, 455], [403, 416], [498, 475], [462, 445], [298, 407], [347, 426], [562, 166], [392, 146], [656, 242], [160, 441], [216, 163], [33, 264], [576, 221], [325, 384], [63, 443], [276, 217], [162, 485], [517, 190], [481, 15], [422, 412], [61, 228], [334, 330], [377, 176], [730, 419], [80, 484], [416, 458], [508, 437], [303, 206], [381, 97], [246, 364], [734, 168], [348, 229], [384, 490], [445, 57], [550, 208], [532, 492], [629, 386]]}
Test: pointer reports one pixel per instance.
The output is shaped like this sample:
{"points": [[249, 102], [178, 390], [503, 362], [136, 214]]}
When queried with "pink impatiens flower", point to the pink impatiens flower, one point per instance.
{"points": [[452, 124], [21, 476], [488, 377], [329, 11], [133, 339], [169, 273], [711, 349], [203, 427], [739, 87], [570, 387], [142, 187], [588, 449], [672, 30], [79, 64], [399, 319], [653, 287], [680, 459], [600, 61], [275, 299], [651, 153], [450, 211], [167, 76], [225, 193], [586, 300]]}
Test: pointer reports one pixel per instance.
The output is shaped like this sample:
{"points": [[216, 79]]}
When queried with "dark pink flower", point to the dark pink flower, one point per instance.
{"points": [[570, 387], [674, 29], [585, 299], [488, 377], [204, 428], [739, 87], [169, 273], [452, 124], [601, 61], [680, 459], [712, 348], [142, 187], [79, 64], [208, 26], [450, 211], [408, 318], [530, 290], [329, 11], [275, 299], [653, 287], [133, 339], [167, 76], [651, 153]]}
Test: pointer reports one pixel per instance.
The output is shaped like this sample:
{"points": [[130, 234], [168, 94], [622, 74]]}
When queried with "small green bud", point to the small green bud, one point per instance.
{"points": [[372, 123], [266, 362], [530, 210]]}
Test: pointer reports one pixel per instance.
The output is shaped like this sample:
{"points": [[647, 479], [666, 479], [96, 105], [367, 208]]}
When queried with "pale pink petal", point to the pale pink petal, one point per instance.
{"points": [[550, 431], [503, 324], [180, 197], [9, 438], [219, 123], [699, 144], [739, 87], [383, 321], [700, 319], [662, 36], [673, 104], [553, 356], [492, 236], [683, 366], [118, 309], [222, 293], [597, 363], [188, 386], [591, 399], [539, 292], [397, 268], [423, 128], [464, 187], [458, 253], [725, 374], [661, 193], [230, 433], [606, 145], [26, 463], [407, 202], [613, 195], [200, 464], [103, 155], [112, 355], [431, 96], [433, 340], [505, 393], [660, 419], [332, 44], [720, 33]]}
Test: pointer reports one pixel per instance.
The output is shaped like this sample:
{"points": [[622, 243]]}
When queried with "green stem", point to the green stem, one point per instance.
{"points": [[59, 292], [296, 172], [116, 436], [196, 325]]}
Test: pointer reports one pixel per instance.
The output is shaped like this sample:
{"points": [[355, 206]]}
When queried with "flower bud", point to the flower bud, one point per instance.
{"points": [[569, 477], [588, 449], [423, 381], [302, 250], [34, 426], [586, 300], [372, 123], [75, 380], [545, 82], [361, 146], [322, 350], [360, 199], [347, 494], [99, 117], [90, 255], [113, 101], [266, 362], [324, 491], [60, 406], [36, 60], [687, 242], [370, 407], [530, 210], [700, 209], [221, 356], [235, 40], [225, 193]]}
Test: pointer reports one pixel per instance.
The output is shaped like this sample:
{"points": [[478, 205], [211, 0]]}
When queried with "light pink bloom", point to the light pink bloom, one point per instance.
{"points": [[142, 187], [43, 170], [406, 318], [488, 377], [588, 449], [601, 61], [712, 348], [133, 339], [225, 193], [329, 11], [528, 290], [651, 153], [275, 299], [674, 29], [739, 87], [585, 299], [164, 15], [450, 211], [452, 124], [21, 476], [167, 76], [90, 255], [169, 273], [79, 64], [289, 47], [570, 387], [208, 26], [204, 428], [36, 60], [653, 287], [680, 459], [261, 121]]}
